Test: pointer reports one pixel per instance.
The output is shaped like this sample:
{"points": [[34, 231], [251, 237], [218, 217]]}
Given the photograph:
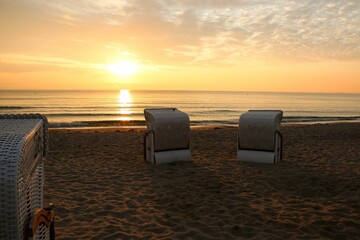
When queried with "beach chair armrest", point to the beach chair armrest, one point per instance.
{"points": [[281, 144], [43, 216]]}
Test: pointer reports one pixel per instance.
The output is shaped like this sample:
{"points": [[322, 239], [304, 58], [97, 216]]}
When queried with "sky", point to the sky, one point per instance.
{"points": [[234, 45]]}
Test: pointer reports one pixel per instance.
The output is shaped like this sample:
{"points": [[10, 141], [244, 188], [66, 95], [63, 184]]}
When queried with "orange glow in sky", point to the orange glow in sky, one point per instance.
{"points": [[282, 46]]}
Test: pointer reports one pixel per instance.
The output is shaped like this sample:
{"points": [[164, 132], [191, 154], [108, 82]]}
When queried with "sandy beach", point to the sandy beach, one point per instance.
{"points": [[103, 189]]}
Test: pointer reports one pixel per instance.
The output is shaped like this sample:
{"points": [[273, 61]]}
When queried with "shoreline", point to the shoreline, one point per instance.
{"points": [[210, 126]]}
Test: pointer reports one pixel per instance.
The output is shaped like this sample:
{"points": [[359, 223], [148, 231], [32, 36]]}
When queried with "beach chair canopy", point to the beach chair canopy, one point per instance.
{"points": [[168, 134], [259, 137], [23, 149]]}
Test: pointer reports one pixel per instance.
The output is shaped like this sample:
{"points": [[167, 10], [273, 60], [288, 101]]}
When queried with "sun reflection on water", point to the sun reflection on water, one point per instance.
{"points": [[124, 103]]}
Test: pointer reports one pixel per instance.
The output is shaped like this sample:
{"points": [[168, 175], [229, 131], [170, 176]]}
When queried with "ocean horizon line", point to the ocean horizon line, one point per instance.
{"points": [[174, 90]]}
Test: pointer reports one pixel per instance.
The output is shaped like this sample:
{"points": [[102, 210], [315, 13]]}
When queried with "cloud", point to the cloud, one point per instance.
{"points": [[27, 63], [205, 32]]}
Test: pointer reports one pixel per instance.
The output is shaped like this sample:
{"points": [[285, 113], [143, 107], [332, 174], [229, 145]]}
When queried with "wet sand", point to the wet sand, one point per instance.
{"points": [[103, 189]]}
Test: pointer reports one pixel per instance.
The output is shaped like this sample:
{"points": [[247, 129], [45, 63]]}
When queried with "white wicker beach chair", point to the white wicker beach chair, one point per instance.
{"points": [[23, 148], [168, 136], [259, 137]]}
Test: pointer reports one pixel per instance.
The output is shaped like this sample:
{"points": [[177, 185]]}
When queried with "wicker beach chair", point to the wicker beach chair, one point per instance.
{"points": [[168, 136], [23, 148], [259, 137]]}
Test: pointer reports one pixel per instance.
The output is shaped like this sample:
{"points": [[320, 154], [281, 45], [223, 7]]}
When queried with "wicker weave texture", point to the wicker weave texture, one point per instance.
{"points": [[168, 136], [23, 146]]}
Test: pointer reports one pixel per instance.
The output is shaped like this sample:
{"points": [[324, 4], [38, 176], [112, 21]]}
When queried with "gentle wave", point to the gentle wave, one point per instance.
{"points": [[65, 107], [215, 112], [293, 119], [107, 123], [92, 114], [319, 119], [13, 107]]}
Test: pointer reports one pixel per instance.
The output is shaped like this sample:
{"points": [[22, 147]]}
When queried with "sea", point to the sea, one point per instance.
{"points": [[126, 107]]}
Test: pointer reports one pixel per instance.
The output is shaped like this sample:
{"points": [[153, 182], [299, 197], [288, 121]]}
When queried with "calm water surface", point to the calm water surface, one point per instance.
{"points": [[97, 108]]}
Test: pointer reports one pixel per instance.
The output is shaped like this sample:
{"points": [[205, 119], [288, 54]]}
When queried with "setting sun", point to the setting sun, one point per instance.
{"points": [[123, 68]]}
